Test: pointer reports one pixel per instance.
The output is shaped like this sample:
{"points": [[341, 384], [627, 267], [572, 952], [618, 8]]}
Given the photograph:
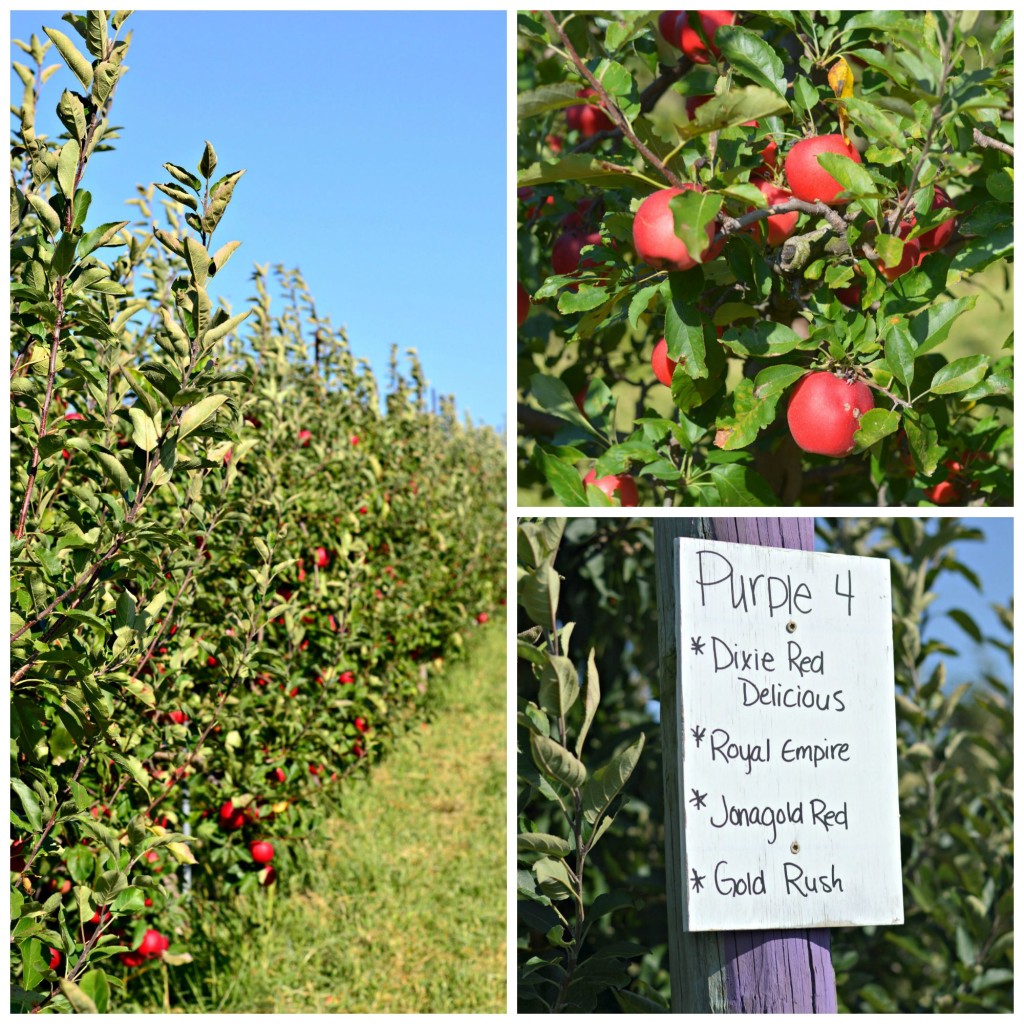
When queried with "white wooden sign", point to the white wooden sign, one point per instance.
{"points": [[791, 817]]}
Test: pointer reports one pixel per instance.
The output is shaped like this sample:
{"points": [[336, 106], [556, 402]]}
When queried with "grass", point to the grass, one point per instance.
{"points": [[408, 914]]}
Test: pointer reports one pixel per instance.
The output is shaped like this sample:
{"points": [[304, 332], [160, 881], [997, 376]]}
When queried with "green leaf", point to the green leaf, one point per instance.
{"points": [[95, 986], [538, 594], [553, 397], [184, 177], [222, 329], [563, 478], [855, 179], [738, 485], [196, 415], [692, 213], [586, 169], [900, 352], [553, 879], [732, 109], [208, 162], [606, 783], [931, 327], [559, 685], [751, 57], [178, 194], [591, 700], [959, 375], [542, 842], [684, 326], [773, 380], [64, 255], [764, 339], [145, 433], [556, 762], [101, 236], [876, 424], [80, 1002], [751, 414], [75, 60], [46, 213], [113, 468], [67, 167], [29, 803], [547, 98]]}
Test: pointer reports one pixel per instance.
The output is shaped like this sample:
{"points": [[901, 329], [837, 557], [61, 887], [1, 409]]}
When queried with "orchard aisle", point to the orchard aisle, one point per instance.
{"points": [[410, 914]]}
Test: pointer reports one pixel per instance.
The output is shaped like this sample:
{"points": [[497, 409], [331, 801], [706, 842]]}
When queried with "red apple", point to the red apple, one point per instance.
{"points": [[178, 717], [850, 296], [824, 412], [586, 118], [940, 236], [481, 617], [690, 41], [780, 225], [522, 304], [305, 437], [276, 775], [807, 179], [661, 364], [361, 725], [565, 254], [623, 483], [655, 238], [55, 958], [945, 492], [261, 851], [322, 558], [230, 817], [667, 26], [153, 944]]}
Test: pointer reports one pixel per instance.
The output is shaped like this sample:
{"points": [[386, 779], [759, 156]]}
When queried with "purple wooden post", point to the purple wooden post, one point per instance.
{"points": [[728, 972]]}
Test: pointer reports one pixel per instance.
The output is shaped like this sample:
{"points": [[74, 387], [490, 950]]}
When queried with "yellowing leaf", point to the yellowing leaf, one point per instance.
{"points": [[840, 77]]}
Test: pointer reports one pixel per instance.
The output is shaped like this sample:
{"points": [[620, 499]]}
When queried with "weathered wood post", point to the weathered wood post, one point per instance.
{"points": [[774, 811]]}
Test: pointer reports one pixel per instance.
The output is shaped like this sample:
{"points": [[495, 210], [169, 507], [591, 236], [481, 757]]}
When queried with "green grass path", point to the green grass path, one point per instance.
{"points": [[409, 916]]}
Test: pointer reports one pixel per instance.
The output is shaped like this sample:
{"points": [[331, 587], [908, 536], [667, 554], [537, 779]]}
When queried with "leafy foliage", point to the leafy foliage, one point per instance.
{"points": [[955, 767], [869, 287], [233, 571]]}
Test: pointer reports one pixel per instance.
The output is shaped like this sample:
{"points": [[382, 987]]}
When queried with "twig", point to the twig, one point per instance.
{"points": [[609, 106], [987, 142], [730, 225]]}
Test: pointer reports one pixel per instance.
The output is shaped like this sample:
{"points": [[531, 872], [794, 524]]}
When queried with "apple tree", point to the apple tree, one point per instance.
{"points": [[764, 257]]}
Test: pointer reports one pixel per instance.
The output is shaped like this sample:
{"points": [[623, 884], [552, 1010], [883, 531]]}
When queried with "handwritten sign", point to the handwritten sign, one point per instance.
{"points": [[789, 749]]}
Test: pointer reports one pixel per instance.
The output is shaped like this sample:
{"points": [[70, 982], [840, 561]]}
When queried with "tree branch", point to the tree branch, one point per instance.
{"points": [[609, 106], [987, 142]]}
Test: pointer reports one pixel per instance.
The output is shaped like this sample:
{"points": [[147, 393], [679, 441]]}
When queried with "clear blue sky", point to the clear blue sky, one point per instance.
{"points": [[374, 145]]}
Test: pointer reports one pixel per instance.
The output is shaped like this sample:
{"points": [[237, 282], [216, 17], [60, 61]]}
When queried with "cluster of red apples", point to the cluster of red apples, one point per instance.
{"points": [[825, 407]]}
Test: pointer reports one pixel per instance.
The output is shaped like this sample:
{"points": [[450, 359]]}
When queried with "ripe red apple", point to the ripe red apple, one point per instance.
{"points": [[850, 296], [268, 876], [655, 238], [347, 678], [315, 769], [780, 225], [937, 237], [667, 26], [661, 364], [807, 179], [691, 43], [522, 304], [945, 492], [305, 437], [481, 617], [586, 118], [565, 254], [178, 717], [623, 483], [261, 851], [361, 725], [824, 413], [276, 775], [153, 944], [322, 558], [55, 958], [230, 817], [79, 416]]}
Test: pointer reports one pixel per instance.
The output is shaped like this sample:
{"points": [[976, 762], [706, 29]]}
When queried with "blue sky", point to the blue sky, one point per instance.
{"points": [[374, 145]]}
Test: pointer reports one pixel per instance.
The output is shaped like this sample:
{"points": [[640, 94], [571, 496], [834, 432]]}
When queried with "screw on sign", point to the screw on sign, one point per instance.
{"points": [[781, 801]]}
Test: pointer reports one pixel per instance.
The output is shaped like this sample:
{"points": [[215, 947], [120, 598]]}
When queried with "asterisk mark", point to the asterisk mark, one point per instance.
{"points": [[697, 881], [698, 734], [697, 799], [696, 645]]}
